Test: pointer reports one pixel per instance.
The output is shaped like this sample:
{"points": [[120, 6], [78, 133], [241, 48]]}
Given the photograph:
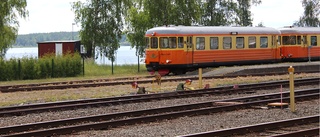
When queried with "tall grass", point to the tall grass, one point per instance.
{"points": [[49, 66], [92, 69], [56, 68]]}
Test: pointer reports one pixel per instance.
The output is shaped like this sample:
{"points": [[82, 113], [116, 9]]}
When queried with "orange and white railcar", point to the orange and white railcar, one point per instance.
{"points": [[299, 43], [178, 49]]}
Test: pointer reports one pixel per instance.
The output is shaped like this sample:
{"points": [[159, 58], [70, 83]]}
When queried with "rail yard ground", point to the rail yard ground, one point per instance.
{"points": [[180, 126], [20, 98]]}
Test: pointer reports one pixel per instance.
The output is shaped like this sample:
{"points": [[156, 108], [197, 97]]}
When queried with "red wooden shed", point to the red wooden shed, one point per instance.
{"points": [[59, 47]]}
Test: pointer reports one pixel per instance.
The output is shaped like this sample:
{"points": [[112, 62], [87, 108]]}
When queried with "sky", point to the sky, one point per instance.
{"points": [[56, 15]]}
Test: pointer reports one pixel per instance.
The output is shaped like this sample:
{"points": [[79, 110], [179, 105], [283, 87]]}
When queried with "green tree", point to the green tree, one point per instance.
{"points": [[311, 14], [214, 12], [184, 12], [227, 12], [243, 12], [10, 10], [145, 14], [260, 25], [138, 23], [101, 25]]}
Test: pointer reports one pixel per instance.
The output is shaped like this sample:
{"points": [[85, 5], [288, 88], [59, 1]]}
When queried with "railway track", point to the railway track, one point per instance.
{"points": [[68, 105], [271, 127], [67, 126], [119, 81]]}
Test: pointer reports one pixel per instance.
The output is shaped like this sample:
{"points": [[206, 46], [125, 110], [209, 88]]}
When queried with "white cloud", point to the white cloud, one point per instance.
{"points": [[56, 15], [277, 13], [48, 16]]}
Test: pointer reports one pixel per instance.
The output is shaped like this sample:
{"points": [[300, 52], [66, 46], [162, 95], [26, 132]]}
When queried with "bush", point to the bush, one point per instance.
{"points": [[48, 66]]}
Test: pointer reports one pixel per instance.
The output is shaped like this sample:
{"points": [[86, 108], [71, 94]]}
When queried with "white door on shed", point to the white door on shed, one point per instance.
{"points": [[58, 49]]}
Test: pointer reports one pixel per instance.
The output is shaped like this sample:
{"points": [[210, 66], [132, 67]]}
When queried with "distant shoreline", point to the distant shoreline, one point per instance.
{"points": [[24, 47], [121, 44]]}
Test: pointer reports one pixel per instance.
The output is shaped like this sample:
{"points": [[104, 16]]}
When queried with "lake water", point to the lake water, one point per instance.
{"points": [[125, 55]]}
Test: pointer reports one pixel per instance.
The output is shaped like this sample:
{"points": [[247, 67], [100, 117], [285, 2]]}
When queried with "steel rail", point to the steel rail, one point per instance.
{"points": [[260, 127], [72, 84], [140, 116], [301, 133], [67, 105]]}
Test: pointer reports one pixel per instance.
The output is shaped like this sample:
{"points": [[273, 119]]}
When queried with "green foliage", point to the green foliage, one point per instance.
{"points": [[49, 66], [101, 22], [10, 10], [136, 31], [226, 12], [92, 69], [145, 14], [27, 40], [101, 25], [260, 25], [45, 67], [8, 70], [311, 14], [32, 39], [29, 68]]}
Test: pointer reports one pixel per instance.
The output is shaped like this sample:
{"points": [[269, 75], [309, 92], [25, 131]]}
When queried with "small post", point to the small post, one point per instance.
{"points": [[158, 78], [200, 78], [291, 79]]}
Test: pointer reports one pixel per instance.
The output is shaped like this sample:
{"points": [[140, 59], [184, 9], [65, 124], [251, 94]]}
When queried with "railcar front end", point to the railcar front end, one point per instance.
{"points": [[166, 52]]}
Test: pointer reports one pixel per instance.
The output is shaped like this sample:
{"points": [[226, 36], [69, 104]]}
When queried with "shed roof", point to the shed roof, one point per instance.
{"points": [[60, 41]]}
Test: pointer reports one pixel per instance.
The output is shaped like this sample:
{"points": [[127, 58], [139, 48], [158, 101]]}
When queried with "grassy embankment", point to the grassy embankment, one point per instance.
{"points": [[92, 71]]}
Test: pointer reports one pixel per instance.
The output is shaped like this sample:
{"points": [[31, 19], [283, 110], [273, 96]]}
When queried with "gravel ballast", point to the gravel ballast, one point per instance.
{"points": [[180, 126]]}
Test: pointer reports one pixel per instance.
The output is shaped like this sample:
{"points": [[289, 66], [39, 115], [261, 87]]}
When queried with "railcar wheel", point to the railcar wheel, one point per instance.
{"points": [[179, 72]]}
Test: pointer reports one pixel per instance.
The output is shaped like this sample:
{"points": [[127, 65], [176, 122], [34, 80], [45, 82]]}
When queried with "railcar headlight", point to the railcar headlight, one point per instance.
{"points": [[168, 61]]}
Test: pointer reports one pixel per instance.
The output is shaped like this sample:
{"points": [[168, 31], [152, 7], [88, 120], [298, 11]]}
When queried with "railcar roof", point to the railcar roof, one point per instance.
{"points": [[194, 30], [300, 30]]}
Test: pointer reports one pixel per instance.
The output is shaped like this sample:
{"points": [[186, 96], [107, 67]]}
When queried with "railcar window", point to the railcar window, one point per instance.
{"points": [[240, 42], [214, 42], [279, 40], [313, 40], [293, 40], [164, 42], [180, 42], [299, 40], [289, 40], [154, 42], [200, 43], [252, 42], [147, 42], [172, 42], [285, 40], [263, 42], [227, 43]]}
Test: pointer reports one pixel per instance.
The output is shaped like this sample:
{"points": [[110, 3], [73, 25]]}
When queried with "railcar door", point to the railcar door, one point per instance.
{"points": [[275, 48], [189, 52]]}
